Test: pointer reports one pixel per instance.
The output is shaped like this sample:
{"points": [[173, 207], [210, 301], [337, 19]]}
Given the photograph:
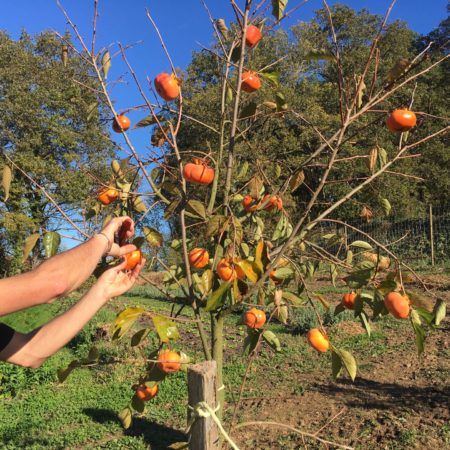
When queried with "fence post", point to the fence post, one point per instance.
{"points": [[431, 235], [202, 388]]}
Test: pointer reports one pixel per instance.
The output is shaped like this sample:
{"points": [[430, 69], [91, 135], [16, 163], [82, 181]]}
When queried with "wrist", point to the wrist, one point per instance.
{"points": [[100, 293], [105, 241]]}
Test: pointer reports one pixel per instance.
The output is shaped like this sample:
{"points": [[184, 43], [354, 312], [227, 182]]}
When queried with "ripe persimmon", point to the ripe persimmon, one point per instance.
{"points": [[227, 270], [318, 340], [146, 393], [133, 259], [198, 258], [169, 361], [272, 202], [250, 81], [167, 86], [252, 36], [198, 172], [348, 300], [397, 305], [254, 318], [120, 123], [401, 120], [248, 204], [108, 196]]}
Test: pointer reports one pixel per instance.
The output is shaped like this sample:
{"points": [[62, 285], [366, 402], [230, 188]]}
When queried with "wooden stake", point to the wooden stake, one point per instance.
{"points": [[202, 388]]}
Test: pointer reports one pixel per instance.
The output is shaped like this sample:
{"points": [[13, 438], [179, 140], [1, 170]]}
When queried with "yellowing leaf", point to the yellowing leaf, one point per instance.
{"points": [[29, 244], [154, 237], [220, 23], [386, 206], [106, 63], [167, 329], [372, 159], [6, 181], [297, 180], [125, 320], [278, 7], [248, 268], [125, 417]]}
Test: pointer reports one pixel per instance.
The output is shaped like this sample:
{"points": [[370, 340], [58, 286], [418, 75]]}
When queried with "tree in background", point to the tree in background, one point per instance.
{"points": [[52, 126]]}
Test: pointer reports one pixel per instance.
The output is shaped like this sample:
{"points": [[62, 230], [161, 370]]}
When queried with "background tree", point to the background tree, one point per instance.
{"points": [[51, 126]]}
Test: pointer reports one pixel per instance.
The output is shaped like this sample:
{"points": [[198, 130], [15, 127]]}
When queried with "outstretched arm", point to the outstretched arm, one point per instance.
{"points": [[64, 272], [32, 349]]}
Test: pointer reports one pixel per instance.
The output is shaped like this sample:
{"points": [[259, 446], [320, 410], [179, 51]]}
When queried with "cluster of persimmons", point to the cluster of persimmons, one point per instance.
{"points": [[198, 171]]}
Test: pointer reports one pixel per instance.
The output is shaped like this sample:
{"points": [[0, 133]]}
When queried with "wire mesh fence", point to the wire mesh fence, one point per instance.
{"points": [[421, 241]]}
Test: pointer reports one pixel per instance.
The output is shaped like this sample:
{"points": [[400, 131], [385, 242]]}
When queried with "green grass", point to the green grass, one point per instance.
{"points": [[36, 412]]}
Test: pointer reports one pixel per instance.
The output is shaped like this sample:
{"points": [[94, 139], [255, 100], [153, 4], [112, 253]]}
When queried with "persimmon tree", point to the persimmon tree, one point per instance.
{"points": [[237, 244]]}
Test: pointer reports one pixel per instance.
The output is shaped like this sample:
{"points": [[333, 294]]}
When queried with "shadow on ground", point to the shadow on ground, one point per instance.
{"points": [[157, 436], [371, 394]]}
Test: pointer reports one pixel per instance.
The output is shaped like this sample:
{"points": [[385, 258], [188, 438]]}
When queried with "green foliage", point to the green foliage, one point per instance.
{"points": [[49, 130]]}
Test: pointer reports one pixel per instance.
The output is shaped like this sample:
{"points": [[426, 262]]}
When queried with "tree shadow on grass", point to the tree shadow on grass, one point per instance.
{"points": [[369, 394], [157, 436]]}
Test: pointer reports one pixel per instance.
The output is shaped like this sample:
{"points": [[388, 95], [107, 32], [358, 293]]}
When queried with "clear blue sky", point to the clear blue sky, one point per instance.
{"points": [[183, 23]]}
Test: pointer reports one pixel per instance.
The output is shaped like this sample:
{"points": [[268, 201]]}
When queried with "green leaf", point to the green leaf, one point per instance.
{"points": [[197, 208], [281, 101], [29, 244], [283, 273], [6, 181], [51, 241], [248, 110], [333, 274], [277, 171], [359, 278], [124, 321], [386, 206], [147, 121], [293, 299], [167, 329], [138, 337], [365, 322], [419, 332], [278, 7], [243, 170], [348, 361], [319, 54], [250, 341], [349, 257], [125, 417], [216, 225], [216, 299], [382, 156], [106, 63], [336, 364], [439, 311], [361, 244], [92, 111], [271, 338], [339, 309], [154, 237], [273, 77], [171, 208], [282, 314], [137, 404]]}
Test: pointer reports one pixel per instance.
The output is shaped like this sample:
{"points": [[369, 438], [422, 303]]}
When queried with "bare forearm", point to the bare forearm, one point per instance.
{"points": [[34, 348]]}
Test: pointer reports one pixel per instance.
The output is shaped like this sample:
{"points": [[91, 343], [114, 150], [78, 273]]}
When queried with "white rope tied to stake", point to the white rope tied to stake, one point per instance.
{"points": [[203, 410]]}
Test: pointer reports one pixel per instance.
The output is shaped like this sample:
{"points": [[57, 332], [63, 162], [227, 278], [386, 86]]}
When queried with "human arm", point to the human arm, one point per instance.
{"points": [[32, 349], [64, 272]]}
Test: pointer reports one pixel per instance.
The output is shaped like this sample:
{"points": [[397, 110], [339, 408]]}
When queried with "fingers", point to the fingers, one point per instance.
{"points": [[128, 248], [125, 229], [135, 273], [121, 266]]}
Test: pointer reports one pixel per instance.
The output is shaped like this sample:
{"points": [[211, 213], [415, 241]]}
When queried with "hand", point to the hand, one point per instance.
{"points": [[114, 281], [124, 227]]}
